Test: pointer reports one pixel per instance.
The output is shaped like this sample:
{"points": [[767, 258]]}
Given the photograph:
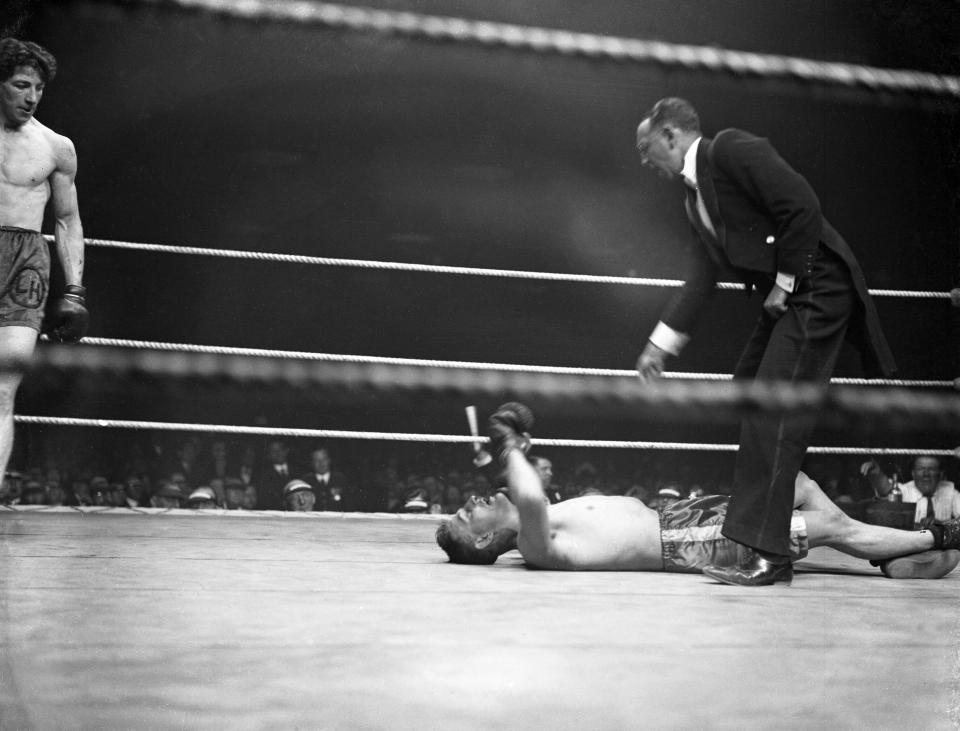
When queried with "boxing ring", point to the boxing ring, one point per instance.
{"points": [[166, 618], [114, 619]]}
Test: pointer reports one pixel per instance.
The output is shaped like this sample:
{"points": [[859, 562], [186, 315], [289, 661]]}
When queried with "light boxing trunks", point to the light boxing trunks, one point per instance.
{"points": [[690, 535], [24, 277]]}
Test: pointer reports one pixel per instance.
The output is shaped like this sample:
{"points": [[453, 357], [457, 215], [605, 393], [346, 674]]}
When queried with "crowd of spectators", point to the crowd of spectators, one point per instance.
{"points": [[169, 470]]}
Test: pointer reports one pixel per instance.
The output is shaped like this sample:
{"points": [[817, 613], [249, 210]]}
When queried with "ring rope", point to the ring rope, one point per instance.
{"points": [[507, 367], [567, 43], [440, 269], [705, 401], [438, 438]]}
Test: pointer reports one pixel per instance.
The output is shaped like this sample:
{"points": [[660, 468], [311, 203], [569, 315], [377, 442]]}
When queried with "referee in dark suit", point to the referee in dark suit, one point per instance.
{"points": [[754, 216]]}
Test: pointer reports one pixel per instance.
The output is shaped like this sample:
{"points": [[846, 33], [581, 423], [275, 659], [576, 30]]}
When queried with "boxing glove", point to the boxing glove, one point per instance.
{"points": [[68, 319], [509, 428]]}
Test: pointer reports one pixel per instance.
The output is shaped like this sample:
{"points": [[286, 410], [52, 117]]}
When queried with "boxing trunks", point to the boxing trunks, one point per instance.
{"points": [[690, 535], [24, 277]]}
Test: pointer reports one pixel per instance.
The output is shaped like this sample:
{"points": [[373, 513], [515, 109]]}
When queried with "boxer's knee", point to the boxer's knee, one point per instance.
{"points": [[8, 394]]}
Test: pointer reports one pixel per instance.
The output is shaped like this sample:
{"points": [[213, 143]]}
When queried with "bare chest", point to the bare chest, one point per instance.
{"points": [[26, 160], [604, 533]]}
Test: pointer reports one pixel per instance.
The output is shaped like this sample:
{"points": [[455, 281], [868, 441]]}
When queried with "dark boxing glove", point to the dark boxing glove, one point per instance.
{"points": [[509, 428], [68, 319]]}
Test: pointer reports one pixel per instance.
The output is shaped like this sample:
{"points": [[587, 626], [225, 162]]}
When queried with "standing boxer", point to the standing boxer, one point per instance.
{"points": [[754, 215], [36, 165]]}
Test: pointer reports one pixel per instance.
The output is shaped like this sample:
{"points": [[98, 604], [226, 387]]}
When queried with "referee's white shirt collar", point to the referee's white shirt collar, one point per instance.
{"points": [[689, 171]]}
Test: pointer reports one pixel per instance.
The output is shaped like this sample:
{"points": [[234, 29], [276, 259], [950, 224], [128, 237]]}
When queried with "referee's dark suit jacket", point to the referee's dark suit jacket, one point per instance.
{"points": [[767, 219]]}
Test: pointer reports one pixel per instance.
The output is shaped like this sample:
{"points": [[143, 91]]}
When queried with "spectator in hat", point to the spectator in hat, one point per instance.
{"points": [[417, 501], [202, 498], [666, 496], [233, 489], [168, 496], [298, 496]]}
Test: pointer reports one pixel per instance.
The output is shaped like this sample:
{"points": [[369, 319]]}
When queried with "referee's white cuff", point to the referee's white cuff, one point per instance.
{"points": [[786, 281], [668, 339]]}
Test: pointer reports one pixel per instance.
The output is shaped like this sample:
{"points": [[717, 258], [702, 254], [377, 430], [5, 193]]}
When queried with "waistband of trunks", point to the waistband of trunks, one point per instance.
{"points": [[17, 229]]}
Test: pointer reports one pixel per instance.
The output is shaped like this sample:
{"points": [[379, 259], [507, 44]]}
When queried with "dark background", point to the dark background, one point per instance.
{"points": [[194, 129]]}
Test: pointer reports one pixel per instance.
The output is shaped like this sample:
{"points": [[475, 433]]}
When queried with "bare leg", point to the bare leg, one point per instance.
{"points": [[837, 530], [15, 341], [808, 496]]}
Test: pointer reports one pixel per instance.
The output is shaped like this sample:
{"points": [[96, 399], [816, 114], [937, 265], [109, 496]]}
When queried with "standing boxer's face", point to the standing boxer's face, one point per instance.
{"points": [[20, 94]]}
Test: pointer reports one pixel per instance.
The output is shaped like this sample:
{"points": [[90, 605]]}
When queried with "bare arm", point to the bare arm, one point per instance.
{"points": [[68, 232], [526, 492]]}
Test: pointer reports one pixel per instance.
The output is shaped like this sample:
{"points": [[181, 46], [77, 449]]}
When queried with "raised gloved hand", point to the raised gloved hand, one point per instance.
{"points": [[509, 428], [68, 319]]}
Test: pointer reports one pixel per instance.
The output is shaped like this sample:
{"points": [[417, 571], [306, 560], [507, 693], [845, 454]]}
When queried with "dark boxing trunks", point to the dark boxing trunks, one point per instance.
{"points": [[690, 535], [24, 277]]}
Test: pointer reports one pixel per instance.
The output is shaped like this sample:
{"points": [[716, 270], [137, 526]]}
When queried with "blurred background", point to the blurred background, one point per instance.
{"points": [[202, 130]]}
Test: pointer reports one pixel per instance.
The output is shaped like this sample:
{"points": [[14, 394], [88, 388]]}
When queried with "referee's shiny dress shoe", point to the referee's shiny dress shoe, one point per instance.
{"points": [[753, 571]]}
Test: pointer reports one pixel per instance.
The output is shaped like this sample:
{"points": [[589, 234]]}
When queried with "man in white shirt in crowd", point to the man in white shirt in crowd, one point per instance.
{"points": [[937, 499]]}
